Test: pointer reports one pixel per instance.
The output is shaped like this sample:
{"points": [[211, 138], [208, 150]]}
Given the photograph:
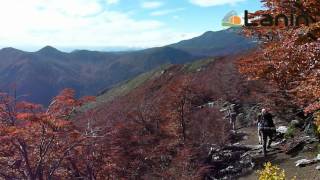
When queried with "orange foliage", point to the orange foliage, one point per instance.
{"points": [[289, 56]]}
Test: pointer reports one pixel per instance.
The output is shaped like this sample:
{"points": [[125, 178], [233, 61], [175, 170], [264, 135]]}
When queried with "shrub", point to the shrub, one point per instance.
{"points": [[291, 131], [317, 120], [271, 172]]}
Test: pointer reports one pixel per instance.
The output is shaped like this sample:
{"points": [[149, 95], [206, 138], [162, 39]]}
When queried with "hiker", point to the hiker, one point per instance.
{"points": [[232, 115], [259, 119], [266, 128]]}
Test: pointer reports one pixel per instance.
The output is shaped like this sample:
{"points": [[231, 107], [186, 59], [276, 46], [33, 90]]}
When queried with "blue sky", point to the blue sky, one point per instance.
{"points": [[99, 24]]}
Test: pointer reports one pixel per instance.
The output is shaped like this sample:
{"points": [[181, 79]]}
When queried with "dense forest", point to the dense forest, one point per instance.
{"points": [[164, 128]]}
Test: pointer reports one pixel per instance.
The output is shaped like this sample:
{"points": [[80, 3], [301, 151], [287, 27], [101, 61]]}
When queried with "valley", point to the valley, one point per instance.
{"points": [[157, 112], [159, 89], [39, 76]]}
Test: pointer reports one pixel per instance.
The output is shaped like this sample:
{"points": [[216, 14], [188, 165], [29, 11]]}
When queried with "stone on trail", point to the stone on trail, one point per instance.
{"points": [[282, 129], [295, 147], [294, 123], [298, 144], [304, 162], [229, 161]]}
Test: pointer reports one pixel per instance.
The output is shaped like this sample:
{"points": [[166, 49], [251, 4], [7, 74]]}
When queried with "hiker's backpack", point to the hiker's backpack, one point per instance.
{"points": [[266, 120]]}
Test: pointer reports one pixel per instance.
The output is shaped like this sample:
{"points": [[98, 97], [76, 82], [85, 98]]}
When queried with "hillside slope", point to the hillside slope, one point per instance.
{"points": [[160, 122], [217, 77]]}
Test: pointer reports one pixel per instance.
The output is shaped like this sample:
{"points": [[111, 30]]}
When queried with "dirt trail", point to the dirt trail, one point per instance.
{"points": [[281, 159]]}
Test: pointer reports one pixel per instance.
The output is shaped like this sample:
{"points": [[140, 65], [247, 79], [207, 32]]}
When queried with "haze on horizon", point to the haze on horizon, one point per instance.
{"points": [[110, 25]]}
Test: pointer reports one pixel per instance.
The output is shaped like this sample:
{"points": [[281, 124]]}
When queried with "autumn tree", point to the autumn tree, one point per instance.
{"points": [[39, 143], [180, 100], [289, 53], [155, 131]]}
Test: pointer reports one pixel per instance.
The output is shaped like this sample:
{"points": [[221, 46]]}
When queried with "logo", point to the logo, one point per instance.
{"points": [[232, 19], [288, 20]]}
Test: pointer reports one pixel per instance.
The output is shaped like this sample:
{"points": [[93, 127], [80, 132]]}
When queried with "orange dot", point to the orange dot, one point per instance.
{"points": [[235, 20]]}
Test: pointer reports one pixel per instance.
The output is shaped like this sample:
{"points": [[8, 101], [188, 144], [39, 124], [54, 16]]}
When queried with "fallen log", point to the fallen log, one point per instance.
{"points": [[298, 144], [295, 147]]}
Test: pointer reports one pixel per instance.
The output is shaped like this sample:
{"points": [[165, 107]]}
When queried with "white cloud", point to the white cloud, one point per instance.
{"points": [[69, 7], [166, 11], [79, 23], [112, 1], [208, 3], [151, 4]]}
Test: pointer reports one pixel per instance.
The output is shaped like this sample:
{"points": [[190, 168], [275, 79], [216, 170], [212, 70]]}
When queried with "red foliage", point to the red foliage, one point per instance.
{"points": [[39, 143], [289, 56], [157, 130]]}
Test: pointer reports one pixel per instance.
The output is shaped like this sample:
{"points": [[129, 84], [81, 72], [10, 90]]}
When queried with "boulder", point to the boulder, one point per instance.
{"points": [[310, 140], [295, 123], [229, 161], [295, 146], [282, 129], [304, 162]]}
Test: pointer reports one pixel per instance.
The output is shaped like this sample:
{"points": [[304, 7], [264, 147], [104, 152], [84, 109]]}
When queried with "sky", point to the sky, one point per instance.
{"points": [[110, 24]]}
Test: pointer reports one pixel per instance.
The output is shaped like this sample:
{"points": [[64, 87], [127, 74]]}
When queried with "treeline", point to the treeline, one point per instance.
{"points": [[152, 135]]}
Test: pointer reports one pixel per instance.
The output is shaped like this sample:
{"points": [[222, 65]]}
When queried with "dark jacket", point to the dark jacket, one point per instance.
{"points": [[267, 120]]}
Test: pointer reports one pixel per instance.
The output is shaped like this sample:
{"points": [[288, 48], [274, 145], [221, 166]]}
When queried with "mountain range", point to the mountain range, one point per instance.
{"points": [[39, 76]]}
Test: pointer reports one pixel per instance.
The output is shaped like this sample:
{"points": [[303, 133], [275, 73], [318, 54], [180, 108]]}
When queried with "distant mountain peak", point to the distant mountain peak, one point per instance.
{"points": [[10, 50], [217, 43], [229, 30], [49, 51], [207, 33]]}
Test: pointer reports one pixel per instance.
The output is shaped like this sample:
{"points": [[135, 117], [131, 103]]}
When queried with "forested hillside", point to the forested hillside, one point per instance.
{"points": [[191, 110]]}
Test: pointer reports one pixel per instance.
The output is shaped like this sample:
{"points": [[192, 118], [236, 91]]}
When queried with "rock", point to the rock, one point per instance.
{"points": [[222, 110], [254, 147], [210, 104], [318, 167], [278, 143], [304, 162], [298, 144], [239, 147], [225, 104], [229, 161], [295, 147], [240, 117], [282, 129], [294, 123], [310, 140], [307, 148]]}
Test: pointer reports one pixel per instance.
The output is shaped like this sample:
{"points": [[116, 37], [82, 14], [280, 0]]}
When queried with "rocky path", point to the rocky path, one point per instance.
{"points": [[277, 157], [244, 156]]}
